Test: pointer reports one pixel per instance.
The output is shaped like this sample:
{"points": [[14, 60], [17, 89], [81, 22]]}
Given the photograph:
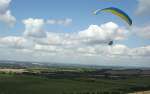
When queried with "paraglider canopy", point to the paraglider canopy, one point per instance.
{"points": [[117, 12]]}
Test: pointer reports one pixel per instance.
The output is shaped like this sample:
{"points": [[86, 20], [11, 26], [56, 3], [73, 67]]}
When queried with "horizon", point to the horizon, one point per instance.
{"points": [[71, 64]]}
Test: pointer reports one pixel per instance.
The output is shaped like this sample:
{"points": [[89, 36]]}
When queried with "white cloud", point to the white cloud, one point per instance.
{"points": [[8, 18], [94, 35], [143, 32], [64, 22], [15, 42], [102, 34], [5, 13], [140, 51], [4, 5], [48, 48], [34, 28], [143, 6], [119, 50]]}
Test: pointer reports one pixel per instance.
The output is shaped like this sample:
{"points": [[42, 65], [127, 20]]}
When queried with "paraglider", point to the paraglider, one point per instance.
{"points": [[110, 43], [117, 12]]}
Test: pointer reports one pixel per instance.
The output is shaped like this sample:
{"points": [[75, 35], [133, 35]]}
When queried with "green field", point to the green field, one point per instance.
{"points": [[19, 84]]}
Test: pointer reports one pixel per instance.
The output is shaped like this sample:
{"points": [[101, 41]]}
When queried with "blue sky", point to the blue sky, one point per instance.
{"points": [[71, 17], [79, 11]]}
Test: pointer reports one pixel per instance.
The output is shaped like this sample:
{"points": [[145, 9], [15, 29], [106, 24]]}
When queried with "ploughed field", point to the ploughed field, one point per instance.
{"points": [[29, 84]]}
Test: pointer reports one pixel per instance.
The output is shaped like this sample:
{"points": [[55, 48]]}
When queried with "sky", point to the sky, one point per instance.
{"points": [[66, 31]]}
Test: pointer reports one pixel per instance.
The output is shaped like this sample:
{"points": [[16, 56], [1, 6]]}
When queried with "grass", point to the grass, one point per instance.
{"points": [[19, 84]]}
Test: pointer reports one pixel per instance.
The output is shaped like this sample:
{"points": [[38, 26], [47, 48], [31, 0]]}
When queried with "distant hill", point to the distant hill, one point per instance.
{"points": [[25, 64]]}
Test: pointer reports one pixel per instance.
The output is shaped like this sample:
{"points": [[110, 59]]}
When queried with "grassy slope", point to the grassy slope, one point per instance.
{"points": [[12, 84]]}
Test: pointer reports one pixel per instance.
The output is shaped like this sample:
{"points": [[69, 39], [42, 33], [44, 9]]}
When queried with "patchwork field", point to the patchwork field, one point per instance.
{"points": [[12, 70]]}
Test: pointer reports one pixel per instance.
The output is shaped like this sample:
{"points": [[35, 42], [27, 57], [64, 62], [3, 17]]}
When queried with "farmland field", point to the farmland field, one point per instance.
{"points": [[21, 84]]}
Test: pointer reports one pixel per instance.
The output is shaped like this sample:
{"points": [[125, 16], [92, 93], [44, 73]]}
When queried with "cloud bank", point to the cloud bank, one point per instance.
{"points": [[86, 46]]}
